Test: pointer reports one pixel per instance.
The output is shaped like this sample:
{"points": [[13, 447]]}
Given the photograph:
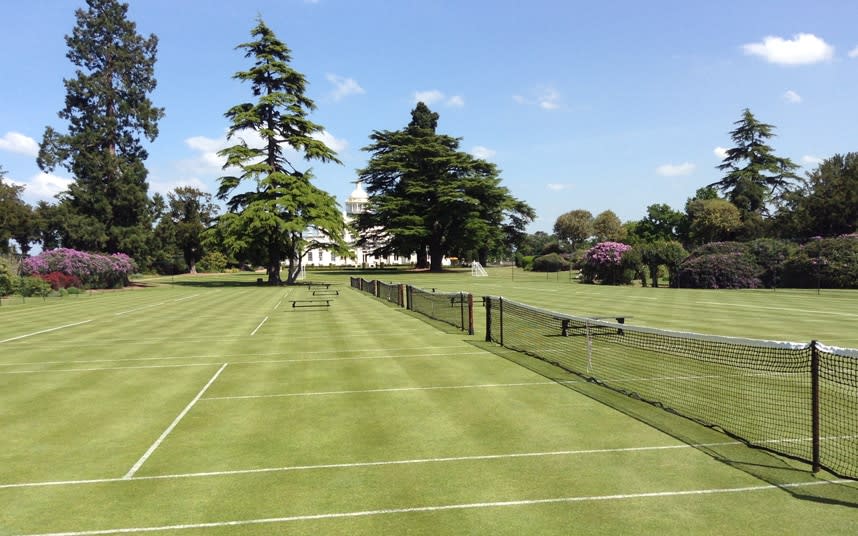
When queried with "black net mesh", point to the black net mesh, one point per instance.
{"points": [[449, 307], [757, 391], [838, 409], [389, 292], [355, 282]]}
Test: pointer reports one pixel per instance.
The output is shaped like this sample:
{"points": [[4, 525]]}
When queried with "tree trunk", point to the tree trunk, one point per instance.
{"points": [[192, 266], [483, 255], [436, 255], [422, 258]]}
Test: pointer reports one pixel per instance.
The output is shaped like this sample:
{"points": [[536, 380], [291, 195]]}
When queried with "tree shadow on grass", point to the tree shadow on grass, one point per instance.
{"points": [[792, 476]]}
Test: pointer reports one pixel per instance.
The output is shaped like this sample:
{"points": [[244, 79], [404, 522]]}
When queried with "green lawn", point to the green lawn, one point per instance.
{"points": [[212, 406]]}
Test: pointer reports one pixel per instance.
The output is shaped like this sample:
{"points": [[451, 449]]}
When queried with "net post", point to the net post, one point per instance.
{"points": [[377, 289], [487, 302], [470, 314], [500, 313], [408, 289], [400, 296], [814, 393]]}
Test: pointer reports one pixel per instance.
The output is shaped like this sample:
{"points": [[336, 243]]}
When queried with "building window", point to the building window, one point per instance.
{"points": [[310, 257]]}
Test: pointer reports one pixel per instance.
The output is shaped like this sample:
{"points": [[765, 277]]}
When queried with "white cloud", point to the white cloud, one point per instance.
{"points": [[720, 152], [792, 97], [456, 101], [207, 163], [546, 98], [16, 142], [549, 99], [164, 187], [433, 96], [483, 152], [558, 187], [811, 160], [675, 170], [344, 87], [853, 53], [802, 49], [337, 144], [428, 97], [45, 186]]}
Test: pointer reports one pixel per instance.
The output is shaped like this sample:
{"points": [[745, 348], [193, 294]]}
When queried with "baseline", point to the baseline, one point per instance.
{"points": [[447, 507], [44, 331]]}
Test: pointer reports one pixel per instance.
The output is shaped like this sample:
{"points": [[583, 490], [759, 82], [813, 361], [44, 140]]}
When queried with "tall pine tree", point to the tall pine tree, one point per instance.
{"points": [[426, 194], [266, 224], [108, 112], [755, 176]]}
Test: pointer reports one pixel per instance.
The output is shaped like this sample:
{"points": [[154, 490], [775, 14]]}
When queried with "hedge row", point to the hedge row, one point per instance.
{"points": [[92, 270]]}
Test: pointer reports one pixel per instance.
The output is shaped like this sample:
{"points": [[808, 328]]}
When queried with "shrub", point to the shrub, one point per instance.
{"points": [[771, 255], [611, 263], [825, 262], [550, 263], [94, 270], [59, 280], [723, 265], [8, 274], [32, 286], [214, 261]]}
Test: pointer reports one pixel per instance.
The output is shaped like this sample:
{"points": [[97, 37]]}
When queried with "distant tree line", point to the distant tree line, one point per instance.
{"points": [[760, 225]]}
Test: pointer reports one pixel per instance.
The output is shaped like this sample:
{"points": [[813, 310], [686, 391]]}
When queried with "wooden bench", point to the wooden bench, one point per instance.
{"points": [[333, 292], [565, 327], [318, 286], [318, 302]]}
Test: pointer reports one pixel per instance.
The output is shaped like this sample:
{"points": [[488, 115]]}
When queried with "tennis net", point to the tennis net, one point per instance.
{"points": [[761, 392], [454, 308]]}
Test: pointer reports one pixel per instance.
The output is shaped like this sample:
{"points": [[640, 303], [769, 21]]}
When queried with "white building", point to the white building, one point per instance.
{"points": [[355, 204]]}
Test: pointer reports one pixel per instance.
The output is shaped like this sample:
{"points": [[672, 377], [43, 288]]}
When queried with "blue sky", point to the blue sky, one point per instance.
{"points": [[595, 105]]}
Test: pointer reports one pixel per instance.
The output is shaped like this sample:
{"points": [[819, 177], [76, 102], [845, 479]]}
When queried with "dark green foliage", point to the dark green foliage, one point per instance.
{"points": [[427, 195], [15, 216], [266, 225], [534, 244], [551, 262], [829, 204], [825, 262], [188, 214], [660, 223], [771, 255], [108, 111]]}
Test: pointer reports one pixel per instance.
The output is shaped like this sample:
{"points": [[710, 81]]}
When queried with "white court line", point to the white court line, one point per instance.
{"points": [[261, 361], [218, 356], [447, 507], [415, 461], [389, 390], [173, 424], [278, 304], [44, 331], [95, 369], [352, 465], [770, 308], [264, 320], [139, 309], [186, 298]]}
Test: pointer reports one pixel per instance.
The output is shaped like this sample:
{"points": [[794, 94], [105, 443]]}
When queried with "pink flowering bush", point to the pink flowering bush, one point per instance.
{"points": [[94, 270], [611, 263]]}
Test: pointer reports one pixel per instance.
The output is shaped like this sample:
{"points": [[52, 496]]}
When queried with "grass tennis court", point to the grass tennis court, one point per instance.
{"points": [[212, 406]]}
